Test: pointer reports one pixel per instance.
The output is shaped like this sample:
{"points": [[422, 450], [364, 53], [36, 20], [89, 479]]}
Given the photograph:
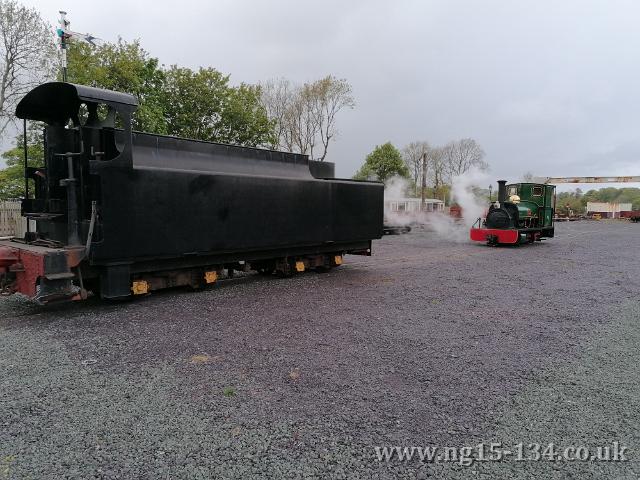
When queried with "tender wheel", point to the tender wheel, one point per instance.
{"points": [[285, 270]]}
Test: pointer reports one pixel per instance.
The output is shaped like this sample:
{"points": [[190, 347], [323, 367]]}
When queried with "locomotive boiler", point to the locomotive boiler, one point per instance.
{"points": [[523, 213], [121, 213]]}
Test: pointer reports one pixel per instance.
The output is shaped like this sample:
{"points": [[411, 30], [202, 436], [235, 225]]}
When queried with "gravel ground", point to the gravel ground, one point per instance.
{"points": [[427, 343]]}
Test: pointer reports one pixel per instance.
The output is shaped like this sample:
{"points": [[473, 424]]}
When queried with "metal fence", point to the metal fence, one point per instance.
{"points": [[12, 224]]}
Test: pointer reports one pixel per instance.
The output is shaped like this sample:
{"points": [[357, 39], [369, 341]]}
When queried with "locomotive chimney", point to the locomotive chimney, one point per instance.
{"points": [[502, 191]]}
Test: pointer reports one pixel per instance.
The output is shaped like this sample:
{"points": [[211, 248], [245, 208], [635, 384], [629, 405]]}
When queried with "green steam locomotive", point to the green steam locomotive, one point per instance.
{"points": [[523, 213]]}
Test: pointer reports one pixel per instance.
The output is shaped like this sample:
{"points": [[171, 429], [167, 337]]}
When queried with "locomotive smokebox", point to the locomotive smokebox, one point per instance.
{"points": [[502, 191]]}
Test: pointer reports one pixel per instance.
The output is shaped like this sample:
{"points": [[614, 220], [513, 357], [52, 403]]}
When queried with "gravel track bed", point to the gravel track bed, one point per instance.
{"points": [[425, 343]]}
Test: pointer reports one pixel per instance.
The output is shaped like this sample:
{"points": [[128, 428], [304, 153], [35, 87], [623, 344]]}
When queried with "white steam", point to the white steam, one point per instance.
{"points": [[445, 226], [448, 227], [395, 189], [462, 192]]}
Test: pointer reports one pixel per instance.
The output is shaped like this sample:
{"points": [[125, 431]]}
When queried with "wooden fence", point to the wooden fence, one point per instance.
{"points": [[12, 224]]}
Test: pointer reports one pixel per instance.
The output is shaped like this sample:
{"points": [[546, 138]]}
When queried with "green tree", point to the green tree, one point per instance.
{"points": [[12, 177], [571, 202], [201, 104], [175, 101], [246, 118], [123, 67], [383, 163], [577, 201]]}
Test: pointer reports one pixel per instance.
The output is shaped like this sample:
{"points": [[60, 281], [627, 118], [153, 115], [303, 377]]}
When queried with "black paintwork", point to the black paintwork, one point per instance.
{"points": [[163, 199]]}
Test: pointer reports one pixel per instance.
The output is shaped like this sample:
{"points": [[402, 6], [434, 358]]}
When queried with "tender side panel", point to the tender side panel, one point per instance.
{"points": [[148, 213]]}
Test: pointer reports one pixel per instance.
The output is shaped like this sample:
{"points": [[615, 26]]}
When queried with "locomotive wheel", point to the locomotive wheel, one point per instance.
{"points": [[265, 268]]}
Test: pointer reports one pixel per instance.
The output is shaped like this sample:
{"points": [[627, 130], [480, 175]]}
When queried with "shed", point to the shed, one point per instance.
{"points": [[413, 205], [608, 210]]}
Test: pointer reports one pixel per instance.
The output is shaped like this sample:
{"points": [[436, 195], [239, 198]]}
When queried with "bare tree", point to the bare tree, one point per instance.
{"points": [[415, 156], [461, 155], [27, 56], [304, 124], [437, 167], [277, 97], [330, 95], [528, 177], [305, 115]]}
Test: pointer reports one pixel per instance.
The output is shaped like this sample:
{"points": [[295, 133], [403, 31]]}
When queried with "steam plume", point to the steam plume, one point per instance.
{"points": [[445, 226]]}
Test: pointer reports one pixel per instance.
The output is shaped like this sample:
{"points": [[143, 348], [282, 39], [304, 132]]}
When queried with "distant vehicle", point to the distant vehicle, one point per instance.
{"points": [[633, 215], [455, 211], [523, 213]]}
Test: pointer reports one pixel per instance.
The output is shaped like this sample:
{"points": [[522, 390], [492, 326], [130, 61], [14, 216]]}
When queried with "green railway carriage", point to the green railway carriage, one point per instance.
{"points": [[523, 213]]}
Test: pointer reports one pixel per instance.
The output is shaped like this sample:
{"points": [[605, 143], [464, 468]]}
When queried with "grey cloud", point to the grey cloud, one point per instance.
{"points": [[546, 86]]}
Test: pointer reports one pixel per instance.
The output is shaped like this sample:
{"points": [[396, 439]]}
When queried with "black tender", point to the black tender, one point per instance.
{"points": [[165, 203]]}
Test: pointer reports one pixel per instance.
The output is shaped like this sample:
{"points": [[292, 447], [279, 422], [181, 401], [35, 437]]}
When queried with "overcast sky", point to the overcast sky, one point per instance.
{"points": [[550, 87]]}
